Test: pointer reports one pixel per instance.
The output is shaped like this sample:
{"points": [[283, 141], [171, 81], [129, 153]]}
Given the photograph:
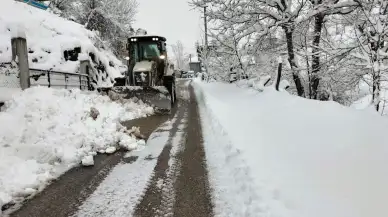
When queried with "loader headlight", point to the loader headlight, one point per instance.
{"points": [[162, 57]]}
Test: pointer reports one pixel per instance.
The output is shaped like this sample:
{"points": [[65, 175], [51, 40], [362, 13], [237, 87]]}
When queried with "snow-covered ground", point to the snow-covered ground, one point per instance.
{"points": [[125, 185], [274, 154], [48, 36], [45, 132]]}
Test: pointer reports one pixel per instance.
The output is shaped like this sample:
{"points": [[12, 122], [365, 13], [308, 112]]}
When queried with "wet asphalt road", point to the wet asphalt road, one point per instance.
{"points": [[186, 188]]}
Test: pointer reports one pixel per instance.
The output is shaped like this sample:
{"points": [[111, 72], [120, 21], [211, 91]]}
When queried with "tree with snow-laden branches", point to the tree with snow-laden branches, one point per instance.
{"points": [[111, 18], [372, 36], [320, 42], [180, 57]]}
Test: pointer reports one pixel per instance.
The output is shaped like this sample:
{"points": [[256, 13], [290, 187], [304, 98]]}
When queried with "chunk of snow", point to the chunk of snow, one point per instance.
{"points": [[141, 142], [128, 142], [29, 191], [110, 150], [88, 160]]}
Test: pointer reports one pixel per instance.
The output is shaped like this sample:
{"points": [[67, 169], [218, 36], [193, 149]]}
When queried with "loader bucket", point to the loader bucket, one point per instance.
{"points": [[156, 96]]}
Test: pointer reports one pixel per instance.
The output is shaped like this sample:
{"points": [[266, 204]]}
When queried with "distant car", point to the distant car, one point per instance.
{"points": [[191, 74], [183, 74]]}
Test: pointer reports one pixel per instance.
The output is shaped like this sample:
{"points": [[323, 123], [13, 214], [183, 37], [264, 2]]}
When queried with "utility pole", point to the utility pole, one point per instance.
{"points": [[206, 41], [205, 20]]}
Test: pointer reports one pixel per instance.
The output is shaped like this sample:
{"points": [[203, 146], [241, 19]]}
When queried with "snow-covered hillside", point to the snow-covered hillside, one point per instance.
{"points": [[49, 36], [44, 132], [274, 154]]}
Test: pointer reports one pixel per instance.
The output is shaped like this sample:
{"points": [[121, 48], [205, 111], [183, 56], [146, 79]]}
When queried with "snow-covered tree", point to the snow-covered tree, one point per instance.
{"points": [[180, 56], [372, 35], [256, 18], [111, 18]]}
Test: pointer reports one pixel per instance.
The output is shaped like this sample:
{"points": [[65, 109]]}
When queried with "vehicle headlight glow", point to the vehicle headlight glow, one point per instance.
{"points": [[162, 57]]}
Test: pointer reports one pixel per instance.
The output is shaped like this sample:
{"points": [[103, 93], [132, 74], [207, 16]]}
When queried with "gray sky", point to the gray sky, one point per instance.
{"points": [[172, 19]]}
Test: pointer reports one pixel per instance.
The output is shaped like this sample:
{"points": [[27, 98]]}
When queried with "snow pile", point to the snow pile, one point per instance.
{"points": [[293, 157], [47, 131], [48, 37]]}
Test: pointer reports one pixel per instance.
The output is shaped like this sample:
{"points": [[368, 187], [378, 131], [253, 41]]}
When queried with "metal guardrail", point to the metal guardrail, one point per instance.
{"points": [[9, 76], [56, 79], [36, 4]]}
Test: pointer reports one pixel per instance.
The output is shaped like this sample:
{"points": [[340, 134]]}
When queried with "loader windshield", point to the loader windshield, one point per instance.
{"points": [[147, 50]]}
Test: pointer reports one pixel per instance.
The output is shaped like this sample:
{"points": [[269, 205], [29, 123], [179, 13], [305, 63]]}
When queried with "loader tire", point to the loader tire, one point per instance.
{"points": [[169, 83]]}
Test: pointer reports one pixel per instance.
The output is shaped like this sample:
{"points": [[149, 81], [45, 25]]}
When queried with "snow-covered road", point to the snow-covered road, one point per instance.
{"points": [[233, 151], [166, 177]]}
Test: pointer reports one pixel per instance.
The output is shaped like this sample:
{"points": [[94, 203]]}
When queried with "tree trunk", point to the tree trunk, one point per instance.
{"points": [[376, 90], [279, 76], [291, 59], [314, 80]]}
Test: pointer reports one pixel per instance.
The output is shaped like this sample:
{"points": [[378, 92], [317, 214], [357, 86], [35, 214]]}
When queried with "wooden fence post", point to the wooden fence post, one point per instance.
{"points": [[279, 75], [19, 51]]}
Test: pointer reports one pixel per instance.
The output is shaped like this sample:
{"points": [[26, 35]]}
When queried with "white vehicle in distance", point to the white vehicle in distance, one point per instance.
{"points": [[190, 74]]}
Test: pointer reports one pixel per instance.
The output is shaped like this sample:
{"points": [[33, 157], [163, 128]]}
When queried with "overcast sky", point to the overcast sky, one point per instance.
{"points": [[173, 19]]}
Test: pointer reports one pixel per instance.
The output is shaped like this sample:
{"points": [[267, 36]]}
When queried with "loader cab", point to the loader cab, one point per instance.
{"points": [[146, 48], [142, 50]]}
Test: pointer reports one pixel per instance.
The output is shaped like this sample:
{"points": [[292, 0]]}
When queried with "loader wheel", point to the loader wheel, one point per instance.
{"points": [[169, 83], [174, 92]]}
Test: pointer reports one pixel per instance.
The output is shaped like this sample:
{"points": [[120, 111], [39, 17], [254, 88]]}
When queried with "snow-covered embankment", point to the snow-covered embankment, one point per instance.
{"points": [[273, 154]]}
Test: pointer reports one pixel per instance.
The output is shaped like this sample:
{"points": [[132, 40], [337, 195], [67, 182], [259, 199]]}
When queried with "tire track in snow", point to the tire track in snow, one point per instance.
{"points": [[193, 197], [159, 196], [168, 190]]}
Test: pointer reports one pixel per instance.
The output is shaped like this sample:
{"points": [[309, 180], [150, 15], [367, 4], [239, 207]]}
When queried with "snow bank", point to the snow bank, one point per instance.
{"points": [[44, 132], [48, 36], [303, 158]]}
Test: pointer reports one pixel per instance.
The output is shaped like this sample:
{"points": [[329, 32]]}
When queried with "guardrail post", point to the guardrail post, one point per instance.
{"points": [[49, 79], [80, 82], [19, 50], [84, 69]]}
